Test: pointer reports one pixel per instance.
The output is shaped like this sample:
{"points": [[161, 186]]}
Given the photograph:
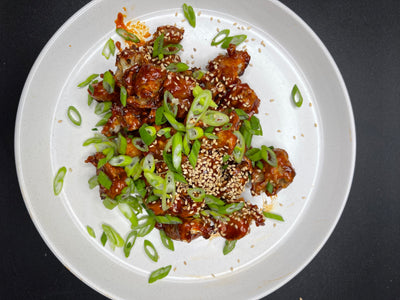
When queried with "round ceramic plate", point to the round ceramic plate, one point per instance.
{"points": [[319, 137]]}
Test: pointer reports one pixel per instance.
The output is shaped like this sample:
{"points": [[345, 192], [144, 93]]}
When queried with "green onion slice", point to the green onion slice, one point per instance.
{"points": [[160, 119], [154, 180], [177, 150], [189, 14], [59, 180], [194, 153], [271, 158], [109, 49], [93, 182], [195, 133], [197, 194], [164, 131], [89, 100], [122, 144], [215, 118], [104, 180], [129, 242], [158, 46], [230, 208], [174, 123], [113, 236], [297, 98], [240, 147], [242, 114], [168, 219], [88, 80], [186, 144], [170, 183], [159, 273], [260, 165], [145, 227], [210, 199], [224, 32], [102, 107], [211, 136], [108, 82], [202, 100], [235, 40], [104, 120], [270, 187], [128, 36], [255, 125], [149, 164], [172, 109], [229, 246], [273, 216], [148, 134], [198, 74], [123, 95], [103, 239], [166, 240], [74, 116], [128, 212], [140, 144], [134, 167], [225, 158], [177, 67], [150, 250], [120, 161], [166, 50], [109, 203], [90, 231]]}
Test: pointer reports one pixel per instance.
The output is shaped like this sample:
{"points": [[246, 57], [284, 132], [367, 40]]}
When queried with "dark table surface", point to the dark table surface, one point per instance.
{"points": [[361, 258]]}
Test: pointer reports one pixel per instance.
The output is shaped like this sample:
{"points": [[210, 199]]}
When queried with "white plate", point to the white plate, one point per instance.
{"points": [[319, 137]]}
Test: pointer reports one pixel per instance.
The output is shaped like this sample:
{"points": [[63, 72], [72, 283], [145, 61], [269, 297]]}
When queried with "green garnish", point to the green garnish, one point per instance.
{"points": [[103, 179], [229, 246], [108, 82], [177, 67], [296, 96], [123, 95], [129, 242], [189, 14], [109, 49], [59, 180], [113, 236], [194, 153], [224, 32], [270, 187], [90, 231], [88, 80], [159, 273], [273, 216], [74, 116], [128, 36], [166, 240], [150, 250]]}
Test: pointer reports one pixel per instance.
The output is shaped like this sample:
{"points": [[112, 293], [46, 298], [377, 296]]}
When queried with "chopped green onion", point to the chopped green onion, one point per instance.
{"points": [[122, 144], [140, 144], [145, 227], [227, 126], [240, 147], [254, 154], [160, 119], [148, 134], [148, 163], [90, 231], [210, 199], [215, 118], [129, 242], [260, 165], [177, 67], [74, 116], [273, 216], [271, 158], [235, 40], [189, 14], [270, 187], [93, 182], [128, 212], [225, 158], [113, 236], [109, 49], [247, 135], [164, 131], [186, 144], [88, 80], [166, 240], [128, 36], [230, 208], [242, 114], [123, 95], [102, 107], [177, 150], [154, 180], [109, 203], [224, 32], [108, 82], [133, 168], [211, 136], [168, 219], [59, 180], [94, 140], [170, 183], [195, 133], [166, 50], [103, 239], [229, 246], [255, 125], [159, 273], [202, 100], [198, 74], [194, 153], [104, 180], [296, 96], [104, 120], [174, 123], [197, 194], [120, 161], [140, 187], [172, 109], [158, 47], [179, 177], [89, 100], [150, 250], [91, 89]]}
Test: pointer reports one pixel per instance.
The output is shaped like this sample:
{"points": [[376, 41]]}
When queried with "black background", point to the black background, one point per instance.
{"points": [[361, 258]]}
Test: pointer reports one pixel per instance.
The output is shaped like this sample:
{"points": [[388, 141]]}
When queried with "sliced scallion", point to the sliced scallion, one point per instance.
{"points": [[174, 123], [128, 36], [194, 153], [59, 180], [149, 164], [177, 148], [140, 144], [123, 94], [148, 134], [215, 118], [113, 236], [229, 246], [159, 273], [297, 98], [166, 240], [93, 182], [103, 179], [104, 119], [177, 67], [102, 107], [129, 242], [195, 133], [197, 194], [88, 80], [240, 147], [109, 49], [216, 42], [108, 82], [270, 187], [74, 115], [273, 216], [235, 40], [90, 231], [150, 250], [189, 14]]}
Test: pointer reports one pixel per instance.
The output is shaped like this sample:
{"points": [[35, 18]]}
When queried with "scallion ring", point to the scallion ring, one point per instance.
{"points": [[109, 49], [102, 107], [197, 194], [195, 133], [229, 246], [172, 107], [139, 144], [273, 216], [74, 115], [166, 240], [59, 180], [113, 236], [215, 118], [224, 32], [235, 40], [271, 160], [108, 82], [150, 250], [297, 98], [148, 164], [166, 50], [129, 242], [240, 147], [194, 153], [177, 67], [159, 273], [177, 150], [174, 123], [120, 161], [103, 179], [123, 95], [88, 80], [104, 120], [128, 36], [189, 14]]}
